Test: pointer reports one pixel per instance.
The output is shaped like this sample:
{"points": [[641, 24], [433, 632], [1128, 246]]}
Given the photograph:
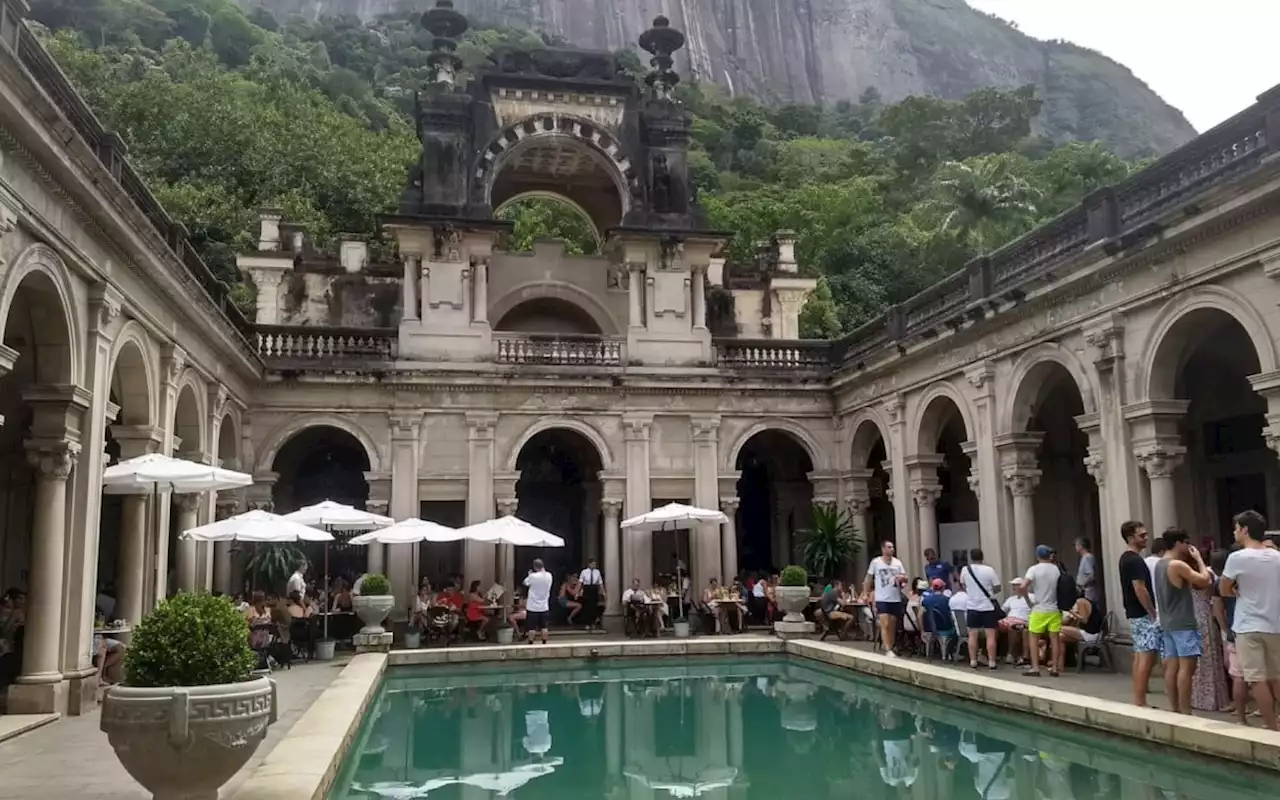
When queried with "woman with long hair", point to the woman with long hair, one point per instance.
{"points": [[475, 610]]}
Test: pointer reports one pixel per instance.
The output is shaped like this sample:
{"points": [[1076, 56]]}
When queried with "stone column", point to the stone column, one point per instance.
{"points": [[699, 297], [379, 502], [705, 542], [405, 445], [481, 306], [409, 286], [860, 512], [1020, 469], [188, 506], [593, 490], [985, 478], [424, 288], [729, 537], [922, 482], [131, 566], [896, 489], [635, 285], [1157, 445], [613, 577], [40, 688], [227, 505], [637, 561], [506, 554], [478, 558]]}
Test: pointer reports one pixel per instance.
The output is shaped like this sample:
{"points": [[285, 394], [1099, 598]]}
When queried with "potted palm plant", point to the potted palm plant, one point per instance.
{"points": [[830, 542], [189, 714], [373, 602]]}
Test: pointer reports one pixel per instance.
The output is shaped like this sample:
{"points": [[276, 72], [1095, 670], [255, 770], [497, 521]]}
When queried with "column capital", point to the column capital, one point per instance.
{"points": [[1105, 338], [611, 506], [219, 403], [706, 428], [406, 424], [926, 494], [922, 469], [975, 483], [636, 427], [137, 440], [105, 305], [175, 362], [227, 505], [507, 506], [859, 505], [187, 502], [982, 377], [480, 425], [1161, 461], [377, 506], [729, 505], [53, 460], [8, 357], [1022, 483], [895, 409], [1096, 465]]}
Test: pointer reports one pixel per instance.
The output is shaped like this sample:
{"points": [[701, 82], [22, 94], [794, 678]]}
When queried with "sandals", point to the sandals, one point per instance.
{"points": [[1031, 673]]}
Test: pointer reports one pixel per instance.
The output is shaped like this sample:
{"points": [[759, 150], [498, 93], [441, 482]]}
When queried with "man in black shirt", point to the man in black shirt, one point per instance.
{"points": [[1139, 607], [835, 618]]}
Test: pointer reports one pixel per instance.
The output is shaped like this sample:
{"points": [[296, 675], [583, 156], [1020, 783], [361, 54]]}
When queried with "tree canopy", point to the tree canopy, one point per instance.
{"points": [[225, 112]]}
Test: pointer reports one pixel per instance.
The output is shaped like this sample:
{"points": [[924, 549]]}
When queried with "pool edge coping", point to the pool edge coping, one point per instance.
{"points": [[306, 761]]}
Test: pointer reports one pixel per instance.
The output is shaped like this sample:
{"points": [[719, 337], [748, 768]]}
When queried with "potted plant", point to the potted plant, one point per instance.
{"points": [[830, 542], [793, 593], [190, 714], [373, 602]]}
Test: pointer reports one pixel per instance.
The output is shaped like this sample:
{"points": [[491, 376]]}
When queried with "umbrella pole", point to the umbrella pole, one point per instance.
{"points": [[325, 590]]}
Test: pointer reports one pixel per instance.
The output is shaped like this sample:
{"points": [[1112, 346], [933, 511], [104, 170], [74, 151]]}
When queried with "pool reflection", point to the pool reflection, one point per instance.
{"points": [[746, 729]]}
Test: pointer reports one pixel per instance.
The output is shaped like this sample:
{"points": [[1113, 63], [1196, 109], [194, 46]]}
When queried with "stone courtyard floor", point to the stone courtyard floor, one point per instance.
{"points": [[72, 758]]}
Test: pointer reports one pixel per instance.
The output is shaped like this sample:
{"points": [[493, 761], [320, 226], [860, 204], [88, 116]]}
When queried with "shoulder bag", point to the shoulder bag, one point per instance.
{"points": [[1000, 613]]}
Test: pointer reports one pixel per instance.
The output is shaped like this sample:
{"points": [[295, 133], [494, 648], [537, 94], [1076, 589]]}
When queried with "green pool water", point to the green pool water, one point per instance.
{"points": [[734, 729]]}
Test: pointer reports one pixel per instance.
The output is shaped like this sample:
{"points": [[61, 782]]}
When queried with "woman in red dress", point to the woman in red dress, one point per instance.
{"points": [[475, 610]]}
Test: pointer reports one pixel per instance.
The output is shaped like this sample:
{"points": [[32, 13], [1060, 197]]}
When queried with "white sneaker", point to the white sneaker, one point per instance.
{"points": [[890, 654]]}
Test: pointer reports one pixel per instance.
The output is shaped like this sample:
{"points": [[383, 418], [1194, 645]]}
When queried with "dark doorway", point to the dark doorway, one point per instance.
{"points": [[775, 500], [438, 560], [557, 470]]}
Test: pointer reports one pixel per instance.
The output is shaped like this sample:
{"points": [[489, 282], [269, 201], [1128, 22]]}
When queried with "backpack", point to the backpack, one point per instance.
{"points": [[1068, 593]]}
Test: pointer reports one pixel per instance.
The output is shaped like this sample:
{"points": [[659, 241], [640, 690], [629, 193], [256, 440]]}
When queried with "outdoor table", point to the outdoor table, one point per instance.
{"points": [[112, 632]]}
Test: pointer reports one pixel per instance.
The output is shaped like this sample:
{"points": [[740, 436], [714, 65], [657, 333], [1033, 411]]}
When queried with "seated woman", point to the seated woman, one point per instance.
{"points": [[518, 614], [342, 599], [476, 618], [659, 609], [261, 619], [418, 618], [570, 598], [734, 607], [449, 600], [298, 607], [1083, 623]]}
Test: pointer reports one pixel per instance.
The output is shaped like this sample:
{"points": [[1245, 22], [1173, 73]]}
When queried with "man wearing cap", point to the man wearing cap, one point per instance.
{"points": [[1017, 615], [937, 608], [1046, 617]]}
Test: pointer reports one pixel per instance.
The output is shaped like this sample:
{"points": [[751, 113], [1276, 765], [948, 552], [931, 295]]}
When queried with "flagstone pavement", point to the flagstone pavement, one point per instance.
{"points": [[71, 758]]}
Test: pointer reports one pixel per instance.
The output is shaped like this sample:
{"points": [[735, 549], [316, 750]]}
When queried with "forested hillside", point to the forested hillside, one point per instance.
{"points": [[225, 113]]}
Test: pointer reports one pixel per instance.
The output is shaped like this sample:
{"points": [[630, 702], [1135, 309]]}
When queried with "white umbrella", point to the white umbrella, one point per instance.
{"points": [[409, 531], [674, 517], [336, 516], [154, 472], [510, 530], [499, 783], [256, 526]]}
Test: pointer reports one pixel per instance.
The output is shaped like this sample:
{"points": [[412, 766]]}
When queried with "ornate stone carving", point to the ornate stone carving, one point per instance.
{"points": [[705, 429], [377, 506], [507, 506], [619, 277], [187, 502], [981, 377], [105, 306], [262, 504], [480, 425], [406, 424], [636, 429], [1160, 463], [894, 408], [975, 485], [1096, 466], [926, 495], [1106, 342], [859, 505], [1022, 483], [175, 363], [219, 401], [729, 505], [227, 505], [54, 461]]}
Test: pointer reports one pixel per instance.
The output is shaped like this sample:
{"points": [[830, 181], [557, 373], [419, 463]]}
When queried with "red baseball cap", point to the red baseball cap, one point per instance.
{"points": [[938, 585]]}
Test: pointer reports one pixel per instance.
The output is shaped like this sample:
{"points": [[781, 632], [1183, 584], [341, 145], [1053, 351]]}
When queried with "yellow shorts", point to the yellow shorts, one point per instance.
{"points": [[1045, 622]]}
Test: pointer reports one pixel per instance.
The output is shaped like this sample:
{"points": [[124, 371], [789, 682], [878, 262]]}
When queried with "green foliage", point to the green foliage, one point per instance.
{"points": [[190, 640], [375, 584], [226, 112], [831, 541], [271, 565], [793, 576], [543, 218]]}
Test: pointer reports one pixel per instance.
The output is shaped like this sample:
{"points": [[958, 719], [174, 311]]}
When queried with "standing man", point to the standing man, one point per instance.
{"points": [[1139, 607], [1087, 575], [592, 590], [297, 581], [1181, 570], [1252, 575], [1046, 617], [981, 584], [937, 570], [887, 576], [538, 604]]}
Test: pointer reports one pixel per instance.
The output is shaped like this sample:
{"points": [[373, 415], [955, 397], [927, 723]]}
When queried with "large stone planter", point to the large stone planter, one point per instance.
{"points": [[372, 610], [793, 600], [183, 743]]}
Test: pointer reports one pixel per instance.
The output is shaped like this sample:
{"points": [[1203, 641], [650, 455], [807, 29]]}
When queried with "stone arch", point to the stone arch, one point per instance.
{"points": [[558, 198], [817, 457], [551, 423], [295, 425], [558, 290], [41, 261], [132, 371], [593, 150], [868, 428], [189, 413], [927, 422], [1160, 358], [229, 436], [1028, 380]]}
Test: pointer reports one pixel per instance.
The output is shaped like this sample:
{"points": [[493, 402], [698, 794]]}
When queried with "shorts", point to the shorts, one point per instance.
{"points": [[1146, 635], [891, 609], [1182, 644], [1012, 624], [982, 620], [563, 601], [536, 620], [1045, 622], [1259, 656], [1090, 638], [1233, 660]]}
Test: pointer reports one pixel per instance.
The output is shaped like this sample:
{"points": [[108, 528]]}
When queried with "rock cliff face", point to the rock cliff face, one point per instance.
{"points": [[813, 51]]}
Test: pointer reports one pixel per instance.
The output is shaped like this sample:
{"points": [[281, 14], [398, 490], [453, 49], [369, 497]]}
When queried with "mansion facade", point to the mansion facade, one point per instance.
{"points": [[1119, 362]]}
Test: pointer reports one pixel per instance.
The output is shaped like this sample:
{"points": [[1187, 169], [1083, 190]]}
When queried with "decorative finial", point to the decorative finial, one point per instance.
{"points": [[661, 41], [446, 25]]}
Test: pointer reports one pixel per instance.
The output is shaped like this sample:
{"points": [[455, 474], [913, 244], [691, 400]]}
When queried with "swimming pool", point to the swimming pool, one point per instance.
{"points": [[759, 727]]}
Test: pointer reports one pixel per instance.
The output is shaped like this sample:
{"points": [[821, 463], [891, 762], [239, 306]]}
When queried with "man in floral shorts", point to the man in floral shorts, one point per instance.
{"points": [[1139, 607]]}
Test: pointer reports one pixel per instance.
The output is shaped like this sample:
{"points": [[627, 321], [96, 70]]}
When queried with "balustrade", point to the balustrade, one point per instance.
{"points": [[556, 350]]}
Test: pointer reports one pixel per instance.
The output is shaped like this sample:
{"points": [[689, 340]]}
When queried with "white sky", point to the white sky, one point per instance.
{"points": [[1208, 58]]}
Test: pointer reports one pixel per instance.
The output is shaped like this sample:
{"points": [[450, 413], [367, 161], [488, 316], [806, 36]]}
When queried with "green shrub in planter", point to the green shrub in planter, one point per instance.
{"points": [[793, 576], [190, 640], [375, 584]]}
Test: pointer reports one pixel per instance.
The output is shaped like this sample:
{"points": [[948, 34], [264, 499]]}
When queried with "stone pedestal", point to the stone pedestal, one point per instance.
{"points": [[373, 642], [792, 630]]}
